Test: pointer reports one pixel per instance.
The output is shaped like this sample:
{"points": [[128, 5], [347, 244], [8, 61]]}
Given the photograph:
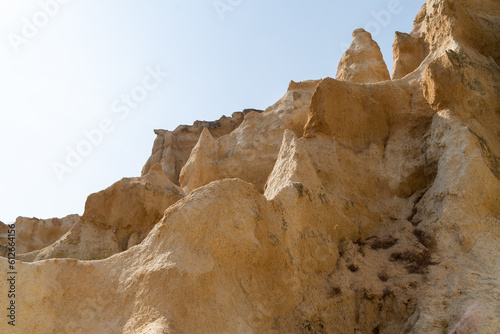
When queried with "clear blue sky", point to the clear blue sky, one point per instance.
{"points": [[67, 67]]}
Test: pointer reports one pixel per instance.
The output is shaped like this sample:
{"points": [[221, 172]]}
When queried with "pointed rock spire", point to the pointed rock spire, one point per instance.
{"points": [[362, 62], [203, 154]]}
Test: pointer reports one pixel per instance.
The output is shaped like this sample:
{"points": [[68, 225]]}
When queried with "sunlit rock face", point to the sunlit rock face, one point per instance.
{"points": [[358, 204], [362, 62], [34, 234], [171, 149]]}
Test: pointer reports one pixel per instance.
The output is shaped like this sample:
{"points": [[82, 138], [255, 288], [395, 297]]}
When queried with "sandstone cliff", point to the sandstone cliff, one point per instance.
{"points": [[249, 152], [34, 233], [171, 149], [353, 205], [115, 219]]}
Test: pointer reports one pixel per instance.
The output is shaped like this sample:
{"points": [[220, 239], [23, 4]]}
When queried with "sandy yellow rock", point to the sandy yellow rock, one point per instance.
{"points": [[250, 151], [408, 52], [362, 62], [115, 219], [172, 149], [344, 208], [33, 234]]}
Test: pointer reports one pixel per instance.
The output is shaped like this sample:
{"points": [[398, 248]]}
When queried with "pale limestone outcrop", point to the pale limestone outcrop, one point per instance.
{"points": [[249, 152], [115, 219], [375, 217], [171, 149], [362, 62], [33, 233]]}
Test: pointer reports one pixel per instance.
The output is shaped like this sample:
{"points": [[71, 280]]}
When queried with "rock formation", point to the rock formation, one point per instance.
{"points": [[171, 149], [353, 205], [115, 219], [34, 233], [409, 53], [249, 152], [362, 62]]}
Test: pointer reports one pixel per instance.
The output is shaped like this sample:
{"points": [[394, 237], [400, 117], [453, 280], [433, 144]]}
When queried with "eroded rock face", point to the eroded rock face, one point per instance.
{"points": [[374, 209], [409, 53], [250, 151], [115, 219], [171, 149], [362, 62], [33, 233]]}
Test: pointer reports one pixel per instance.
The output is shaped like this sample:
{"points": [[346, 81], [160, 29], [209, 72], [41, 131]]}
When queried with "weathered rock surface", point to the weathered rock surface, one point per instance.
{"points": [[343, 208], [33, 233], [249, 152], [171, 149], [362, 62], [115, 219], [409, 52]]}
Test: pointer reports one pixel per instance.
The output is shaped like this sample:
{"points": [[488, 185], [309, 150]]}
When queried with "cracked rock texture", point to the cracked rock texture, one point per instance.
{"points": [[353, 205]]}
